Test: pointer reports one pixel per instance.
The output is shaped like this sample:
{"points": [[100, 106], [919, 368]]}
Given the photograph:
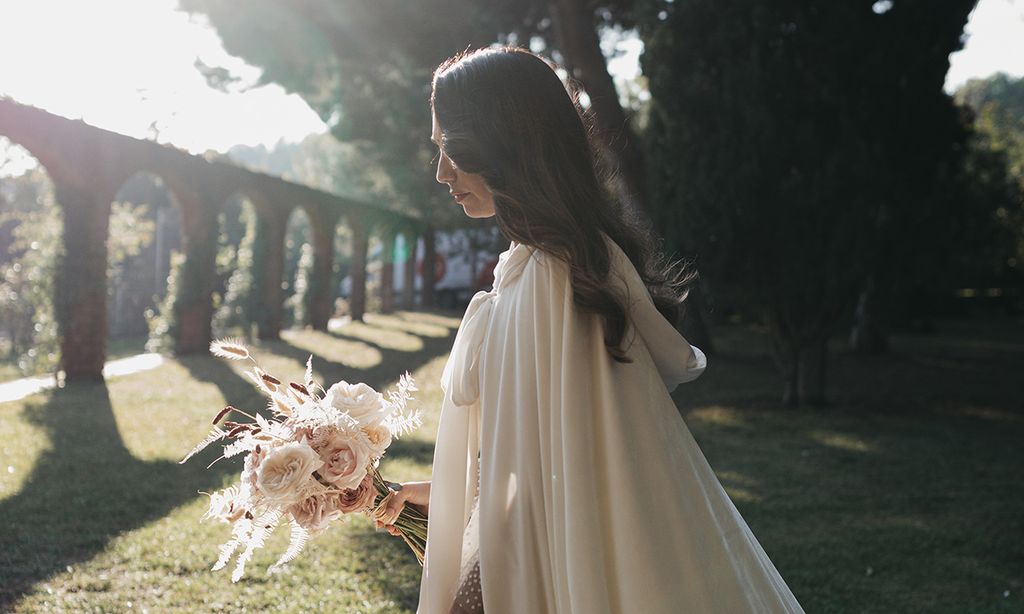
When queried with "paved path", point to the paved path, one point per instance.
{"points": [[21, 388]]}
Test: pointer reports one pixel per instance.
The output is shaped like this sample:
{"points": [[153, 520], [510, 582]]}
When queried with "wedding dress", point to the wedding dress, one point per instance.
{"points": [[593, 497]]}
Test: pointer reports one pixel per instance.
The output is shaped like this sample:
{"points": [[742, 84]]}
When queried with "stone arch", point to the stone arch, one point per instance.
{"points": [[46, 158], [88, 165], [298, 265], [238, 223], [360, 224], [28, 328], [322, 290], [268, 261], [139, 281], [387, 231]]}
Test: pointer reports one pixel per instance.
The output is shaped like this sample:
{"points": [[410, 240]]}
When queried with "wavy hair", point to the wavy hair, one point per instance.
{"points": [[505, 114]]}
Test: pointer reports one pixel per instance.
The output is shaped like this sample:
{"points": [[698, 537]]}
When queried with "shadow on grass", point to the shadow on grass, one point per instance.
{"points": [[392, 364], [902, 492], [393, 361], [86, 489]]}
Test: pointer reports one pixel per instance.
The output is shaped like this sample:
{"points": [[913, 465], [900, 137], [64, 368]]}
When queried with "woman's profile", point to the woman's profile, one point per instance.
{"points": [[564, 478]]}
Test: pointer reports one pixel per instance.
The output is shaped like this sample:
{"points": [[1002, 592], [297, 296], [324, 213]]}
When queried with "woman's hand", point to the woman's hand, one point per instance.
{"points": [[413, 493]]}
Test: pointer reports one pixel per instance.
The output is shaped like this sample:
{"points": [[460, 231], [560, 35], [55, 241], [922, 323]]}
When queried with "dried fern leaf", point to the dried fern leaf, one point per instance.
{"points": [[262, 527], [298, 541], [309, 373], [216, 434]]}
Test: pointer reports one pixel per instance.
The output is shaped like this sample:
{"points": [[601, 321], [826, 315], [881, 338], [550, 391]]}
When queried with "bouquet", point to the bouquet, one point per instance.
{"points": [[310, 464]]}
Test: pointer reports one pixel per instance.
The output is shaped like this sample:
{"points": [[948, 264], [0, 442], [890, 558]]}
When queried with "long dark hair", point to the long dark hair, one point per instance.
{"points": [[504, 114]]}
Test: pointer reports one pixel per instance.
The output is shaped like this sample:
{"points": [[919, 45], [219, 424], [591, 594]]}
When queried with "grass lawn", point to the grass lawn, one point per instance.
{"points": [[120, 347], [903, 496]]}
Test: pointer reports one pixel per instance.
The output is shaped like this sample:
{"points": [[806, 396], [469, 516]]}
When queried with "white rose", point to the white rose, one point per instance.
{"points": [[379, 437], [285, 470], [361, 402]]}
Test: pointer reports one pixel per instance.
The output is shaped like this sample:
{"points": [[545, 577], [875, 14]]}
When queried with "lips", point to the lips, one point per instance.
{"points": [[459, 196]]}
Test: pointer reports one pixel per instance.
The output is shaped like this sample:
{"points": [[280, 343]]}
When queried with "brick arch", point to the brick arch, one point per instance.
{"points": [[88, 165]]}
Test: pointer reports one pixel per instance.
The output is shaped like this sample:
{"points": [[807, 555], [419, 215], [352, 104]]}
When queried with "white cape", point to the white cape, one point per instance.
{"points": [[594, 496]]}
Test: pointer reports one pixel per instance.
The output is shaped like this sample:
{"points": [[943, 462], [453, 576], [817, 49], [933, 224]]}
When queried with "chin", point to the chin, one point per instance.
{"points": [[476, 212]]}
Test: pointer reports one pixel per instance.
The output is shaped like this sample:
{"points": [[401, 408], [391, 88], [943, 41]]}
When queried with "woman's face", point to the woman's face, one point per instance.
{"points": [[468, 189]]}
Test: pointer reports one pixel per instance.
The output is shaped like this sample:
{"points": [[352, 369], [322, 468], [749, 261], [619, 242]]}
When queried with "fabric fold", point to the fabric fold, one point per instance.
{"points": [[594, 497], [456, 460]]}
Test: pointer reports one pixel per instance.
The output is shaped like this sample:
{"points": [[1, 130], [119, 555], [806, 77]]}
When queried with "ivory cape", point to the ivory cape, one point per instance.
{"points": [[594, 496]]}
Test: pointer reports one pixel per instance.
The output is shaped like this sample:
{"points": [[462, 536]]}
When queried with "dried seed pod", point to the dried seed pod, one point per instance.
{"points": [[229, 348], [270, 379], [223, 413], [299, 388]]}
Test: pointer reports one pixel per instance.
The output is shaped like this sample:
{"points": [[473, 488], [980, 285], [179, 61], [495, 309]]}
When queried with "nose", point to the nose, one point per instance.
{"points": [[445, 170]]}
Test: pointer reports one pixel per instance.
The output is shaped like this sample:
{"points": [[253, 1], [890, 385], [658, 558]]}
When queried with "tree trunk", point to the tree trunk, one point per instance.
{"points": [[409, 272], [787, 359], [387, 274], [868, 332], [813, 360], [357, 296], [429, 258], [790, 378], [581, 45]]}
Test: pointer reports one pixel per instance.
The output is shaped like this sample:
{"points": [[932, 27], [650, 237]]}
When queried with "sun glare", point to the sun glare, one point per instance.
{"points": [[129, 66]]}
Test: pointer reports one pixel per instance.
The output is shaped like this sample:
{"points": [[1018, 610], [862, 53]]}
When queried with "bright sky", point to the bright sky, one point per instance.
{"points": [[995, 43], [128, 66]]}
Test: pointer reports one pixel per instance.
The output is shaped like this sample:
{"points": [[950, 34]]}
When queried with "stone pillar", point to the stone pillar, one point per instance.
{"points": [[193, 305], [360, 243], [268, 273], [409, 271], [80, 287], [387, 273], [321, 290]]}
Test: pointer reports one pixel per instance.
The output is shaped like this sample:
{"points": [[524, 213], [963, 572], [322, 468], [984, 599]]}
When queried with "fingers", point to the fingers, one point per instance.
{"points": [[394, 507], [388, 510]]}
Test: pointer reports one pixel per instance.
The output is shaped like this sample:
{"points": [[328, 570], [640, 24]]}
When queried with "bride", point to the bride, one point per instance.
{"points": [[564, 479]]}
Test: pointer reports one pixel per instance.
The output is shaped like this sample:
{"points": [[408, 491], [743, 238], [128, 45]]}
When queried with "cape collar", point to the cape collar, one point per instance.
{"points": [[511, 263]]}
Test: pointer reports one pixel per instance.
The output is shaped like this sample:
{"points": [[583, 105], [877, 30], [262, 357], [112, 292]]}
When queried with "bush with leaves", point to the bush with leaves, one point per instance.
{"points": [[235, 313], [163, 324], [26, 285]]}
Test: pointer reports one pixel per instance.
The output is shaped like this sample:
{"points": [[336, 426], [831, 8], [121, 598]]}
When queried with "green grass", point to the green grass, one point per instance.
{"points": [[903, 496]]}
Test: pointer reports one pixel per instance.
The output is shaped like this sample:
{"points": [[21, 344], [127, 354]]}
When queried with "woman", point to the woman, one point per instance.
{"points": [[592, 497]]}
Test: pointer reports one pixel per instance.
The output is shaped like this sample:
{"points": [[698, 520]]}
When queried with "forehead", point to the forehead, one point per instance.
{"points": [[435, 130]]}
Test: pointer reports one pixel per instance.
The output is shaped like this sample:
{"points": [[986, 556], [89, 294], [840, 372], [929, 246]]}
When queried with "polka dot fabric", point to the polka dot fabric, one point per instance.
{"points": [[469, 598]]}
